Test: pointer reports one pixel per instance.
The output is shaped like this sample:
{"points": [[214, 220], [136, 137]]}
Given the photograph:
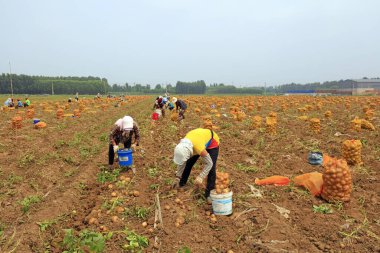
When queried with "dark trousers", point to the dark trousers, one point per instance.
{"points": [[181, 113], [163, 111], [211, 175], [111, 154]]}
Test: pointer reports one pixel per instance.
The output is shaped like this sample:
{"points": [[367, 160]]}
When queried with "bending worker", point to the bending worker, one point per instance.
{"points": [[122, 131], [159, 104], [198, 142], [9, 102], [181, 106]]}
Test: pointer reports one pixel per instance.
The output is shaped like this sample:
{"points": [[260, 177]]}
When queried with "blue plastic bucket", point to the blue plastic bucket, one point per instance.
{"points": [[125, 157], [35, 121]]}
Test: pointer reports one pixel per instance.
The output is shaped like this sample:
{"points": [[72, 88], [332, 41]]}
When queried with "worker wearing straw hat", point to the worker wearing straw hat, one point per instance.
{"points": [[197, 143]]}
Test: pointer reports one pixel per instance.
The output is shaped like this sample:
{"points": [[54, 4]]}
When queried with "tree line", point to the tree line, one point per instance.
{"points": [[231, 89], [145, 89], [198, 87], [24, 84]]}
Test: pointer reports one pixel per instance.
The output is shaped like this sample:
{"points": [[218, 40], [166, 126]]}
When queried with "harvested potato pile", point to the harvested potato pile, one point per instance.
{"points": [[222, 183]]}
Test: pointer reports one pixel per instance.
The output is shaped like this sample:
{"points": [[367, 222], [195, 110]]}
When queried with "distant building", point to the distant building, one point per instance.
{"points": [[334, 92], [365, 86], [358, 87]]}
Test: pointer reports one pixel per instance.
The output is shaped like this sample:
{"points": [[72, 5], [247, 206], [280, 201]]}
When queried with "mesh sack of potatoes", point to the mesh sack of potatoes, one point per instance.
{"points": [[59, 114], [352, 151], [356, 124], [256, 122], [337, 180], [271, 125], [16, 122], [315, 125]]}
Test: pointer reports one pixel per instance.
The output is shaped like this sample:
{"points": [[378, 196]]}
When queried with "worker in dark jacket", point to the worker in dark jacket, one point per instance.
{"points": [[122, 131], [159, 104], [181, 107]]}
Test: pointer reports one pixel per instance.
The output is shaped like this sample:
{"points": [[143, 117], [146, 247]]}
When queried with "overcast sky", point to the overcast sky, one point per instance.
{"points": [[244, 42]]}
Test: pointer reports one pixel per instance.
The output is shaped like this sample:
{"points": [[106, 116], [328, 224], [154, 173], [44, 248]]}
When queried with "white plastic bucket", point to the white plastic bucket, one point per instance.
{"points": [[221, 203], [159, 112]]}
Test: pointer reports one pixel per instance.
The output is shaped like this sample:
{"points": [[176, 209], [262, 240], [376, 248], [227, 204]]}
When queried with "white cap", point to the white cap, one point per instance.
{"points": [[127, 123], [174, 99], [160, 97], [183, 151]]}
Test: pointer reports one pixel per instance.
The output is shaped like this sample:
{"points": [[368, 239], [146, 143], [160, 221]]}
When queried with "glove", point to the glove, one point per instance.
{"points": [[176, 183], [198, 180], [115, 148]]}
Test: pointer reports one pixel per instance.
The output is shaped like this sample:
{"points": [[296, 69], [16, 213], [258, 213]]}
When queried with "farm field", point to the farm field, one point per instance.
{"points": [[56, 196]]}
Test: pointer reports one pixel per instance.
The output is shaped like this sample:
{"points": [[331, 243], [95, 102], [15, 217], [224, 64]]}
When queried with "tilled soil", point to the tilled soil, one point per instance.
{"points": [[61, 165]]}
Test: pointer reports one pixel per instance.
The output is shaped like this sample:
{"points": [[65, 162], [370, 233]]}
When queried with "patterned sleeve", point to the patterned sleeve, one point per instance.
{"points": [[137, 132], [207, 161], [113, 133]]}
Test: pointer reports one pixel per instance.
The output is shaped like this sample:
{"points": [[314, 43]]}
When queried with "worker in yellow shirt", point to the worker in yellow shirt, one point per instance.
{"points": [[198, 142]]}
